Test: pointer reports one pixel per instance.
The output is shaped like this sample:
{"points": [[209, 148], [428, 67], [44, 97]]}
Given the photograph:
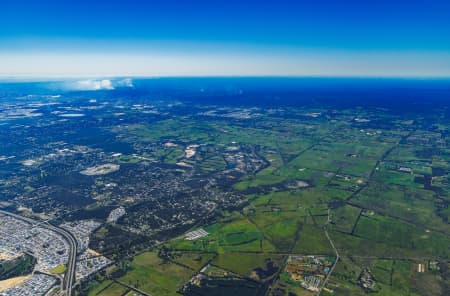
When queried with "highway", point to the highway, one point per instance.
{"points": [[69, 277]]}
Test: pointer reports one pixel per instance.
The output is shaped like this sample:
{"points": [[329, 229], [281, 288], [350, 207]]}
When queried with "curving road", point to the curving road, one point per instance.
{"points": [[69, 276]]}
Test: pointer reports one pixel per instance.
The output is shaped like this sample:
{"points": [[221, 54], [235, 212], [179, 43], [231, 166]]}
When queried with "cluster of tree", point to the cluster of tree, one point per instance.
{"points": [[21, 265]]}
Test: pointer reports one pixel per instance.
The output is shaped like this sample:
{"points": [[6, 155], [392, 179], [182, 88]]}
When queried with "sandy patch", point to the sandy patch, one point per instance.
{"points": [[190, 150], [170, 144], [101, 169], [93, 252], [7, 256], [9, 283]]}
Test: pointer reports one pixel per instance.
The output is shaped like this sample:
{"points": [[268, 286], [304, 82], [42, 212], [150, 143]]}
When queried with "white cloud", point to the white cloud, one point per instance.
{"points": [[127, 82], [103, 84], [91, 84]]}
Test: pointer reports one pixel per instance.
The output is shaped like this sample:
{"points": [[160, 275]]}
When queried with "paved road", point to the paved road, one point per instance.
{"points": [[335, 250], [69, 277]]}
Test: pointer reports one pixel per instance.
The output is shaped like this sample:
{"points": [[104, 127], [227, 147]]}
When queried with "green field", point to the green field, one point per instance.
{"points": [[393, 233], [60, 269], [244, 263], [114, 290], [151, 274], [240, 234], [326, 172], [194, 260], [344, 218]]}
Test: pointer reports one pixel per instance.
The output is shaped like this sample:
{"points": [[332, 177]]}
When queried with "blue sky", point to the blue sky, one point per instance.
{"points": [[200, 38]]}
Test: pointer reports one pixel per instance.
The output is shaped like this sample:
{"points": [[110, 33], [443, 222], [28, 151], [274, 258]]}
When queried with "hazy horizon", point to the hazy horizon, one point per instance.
{"points": [[52, 39]]}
